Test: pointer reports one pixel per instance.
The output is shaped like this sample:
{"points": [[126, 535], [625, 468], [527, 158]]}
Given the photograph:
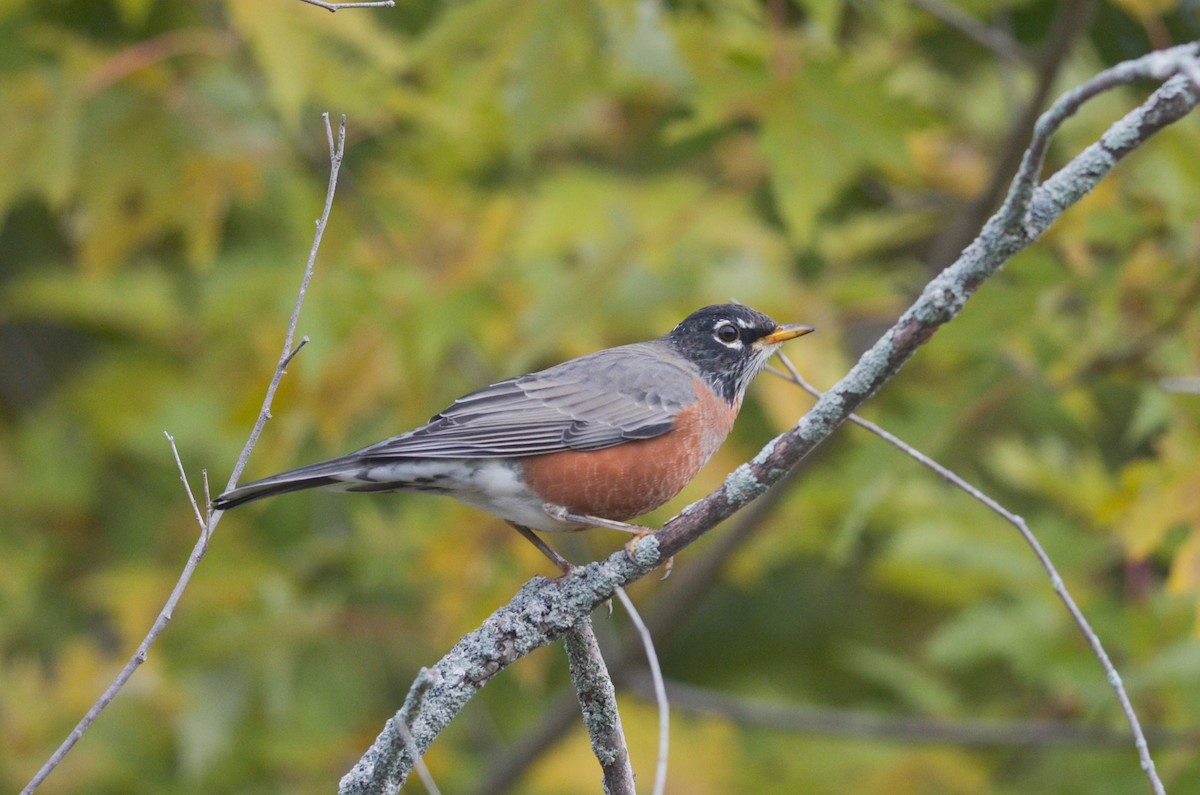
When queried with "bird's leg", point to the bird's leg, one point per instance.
{"points": [[638, 531], [564, 515], [563, 564]]}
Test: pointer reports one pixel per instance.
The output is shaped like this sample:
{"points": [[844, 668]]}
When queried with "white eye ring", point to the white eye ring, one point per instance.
{"points": [[727, 333]]}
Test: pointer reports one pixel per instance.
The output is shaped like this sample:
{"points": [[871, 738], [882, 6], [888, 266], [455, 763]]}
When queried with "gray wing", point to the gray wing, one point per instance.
{"points": [[589, 403]]}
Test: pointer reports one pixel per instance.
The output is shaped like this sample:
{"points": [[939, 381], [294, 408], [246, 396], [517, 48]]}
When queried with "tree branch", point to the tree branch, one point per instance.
{"points": [[689, 587], [598, 702], [1071, 21], [894, 728], [544, 610]]}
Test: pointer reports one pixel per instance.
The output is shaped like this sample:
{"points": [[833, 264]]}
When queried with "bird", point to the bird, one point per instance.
{"points": [[592, 442]]}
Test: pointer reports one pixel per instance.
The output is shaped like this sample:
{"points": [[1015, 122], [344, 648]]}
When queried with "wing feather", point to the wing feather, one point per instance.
{"points": [[590, 403]]}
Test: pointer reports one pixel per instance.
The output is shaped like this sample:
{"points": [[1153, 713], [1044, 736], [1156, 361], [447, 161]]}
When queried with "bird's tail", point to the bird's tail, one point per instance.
{"points": [[326, 473]]}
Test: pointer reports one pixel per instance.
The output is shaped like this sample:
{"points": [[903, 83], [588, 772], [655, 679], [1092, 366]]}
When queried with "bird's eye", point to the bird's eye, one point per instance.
{"points": [[727, 332]]}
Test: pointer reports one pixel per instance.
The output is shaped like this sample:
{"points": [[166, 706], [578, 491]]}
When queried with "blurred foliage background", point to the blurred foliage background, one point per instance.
{"points": [[525, 182]]}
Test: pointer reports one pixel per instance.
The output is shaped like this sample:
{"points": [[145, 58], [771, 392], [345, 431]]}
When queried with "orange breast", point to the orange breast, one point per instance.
{"points": [[635, 477]]}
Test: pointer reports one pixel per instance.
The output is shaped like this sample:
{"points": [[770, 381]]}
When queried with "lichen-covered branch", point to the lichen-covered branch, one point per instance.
{"points": [[598, 702], [546, 609], [541, 613]]}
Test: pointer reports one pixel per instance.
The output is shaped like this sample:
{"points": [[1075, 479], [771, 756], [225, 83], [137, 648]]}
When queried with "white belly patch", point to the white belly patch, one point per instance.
{"points": [[493, 485]]}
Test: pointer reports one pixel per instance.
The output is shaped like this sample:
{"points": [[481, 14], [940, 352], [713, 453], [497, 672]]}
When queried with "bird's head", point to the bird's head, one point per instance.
{"points": [[730, 344]]}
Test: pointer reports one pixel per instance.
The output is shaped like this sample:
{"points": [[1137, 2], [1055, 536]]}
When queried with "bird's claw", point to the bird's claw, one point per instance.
{"points": [[638, 532], [631, 553]]}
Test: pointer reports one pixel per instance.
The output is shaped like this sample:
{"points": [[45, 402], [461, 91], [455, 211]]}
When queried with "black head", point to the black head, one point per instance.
{"points": [[730, 344]]}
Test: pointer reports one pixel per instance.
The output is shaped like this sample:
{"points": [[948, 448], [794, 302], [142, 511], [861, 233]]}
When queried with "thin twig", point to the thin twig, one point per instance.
{"points": [[183, 479], [207, 497], [209, 524], [288, 359], [340, 6], [370, 776], [264, 414], [419, 761], [1181, 383], [598, 702], [994, 39], [1056, 580], [399, 724], [660, 691], [860, 725]]}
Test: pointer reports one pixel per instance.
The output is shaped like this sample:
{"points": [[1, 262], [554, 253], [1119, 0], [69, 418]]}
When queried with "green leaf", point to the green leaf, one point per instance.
{"points": [[822, 128]]}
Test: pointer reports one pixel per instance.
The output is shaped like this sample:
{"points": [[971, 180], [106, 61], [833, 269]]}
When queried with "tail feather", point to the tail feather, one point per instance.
{"points": [[257, 491], [326, 473]]}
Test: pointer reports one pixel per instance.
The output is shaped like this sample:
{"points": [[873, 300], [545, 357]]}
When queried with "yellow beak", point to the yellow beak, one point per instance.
{"points": [[784, 333]]}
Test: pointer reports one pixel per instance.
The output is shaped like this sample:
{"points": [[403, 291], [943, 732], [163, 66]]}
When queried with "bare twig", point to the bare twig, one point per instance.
{"points": [[288, 359], [370, 774], [897, 729], [183, 479], [1056, 580], [660, 691], [598, 702], [139, 657], [207, 525], [1182, 383], [340, 6], [336, 151], [994, 39], [422, 769]]}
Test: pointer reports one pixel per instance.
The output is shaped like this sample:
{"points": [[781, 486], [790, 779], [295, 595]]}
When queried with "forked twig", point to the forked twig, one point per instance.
{"points": [[1118, 141], [207, 523], [1056, 580], [336, 151]]}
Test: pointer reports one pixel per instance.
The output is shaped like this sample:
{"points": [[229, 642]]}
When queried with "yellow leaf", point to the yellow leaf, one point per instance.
{"points": [[952, 166], [134, 12], [1185, 572], [929, 771], [708, 746]]}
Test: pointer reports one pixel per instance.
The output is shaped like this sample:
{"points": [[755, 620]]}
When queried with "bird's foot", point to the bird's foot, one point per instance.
{"points": [[636, 530]]}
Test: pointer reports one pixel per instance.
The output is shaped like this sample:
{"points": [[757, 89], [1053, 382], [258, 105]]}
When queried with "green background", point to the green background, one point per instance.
{"points": [[529, 181]]}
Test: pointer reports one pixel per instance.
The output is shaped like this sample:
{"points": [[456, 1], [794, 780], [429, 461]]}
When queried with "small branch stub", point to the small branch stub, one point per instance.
{"points": [[331, 7]]}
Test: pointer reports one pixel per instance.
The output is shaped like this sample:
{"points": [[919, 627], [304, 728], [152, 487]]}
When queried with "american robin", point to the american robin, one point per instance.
{"points": [[593, 441]]}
